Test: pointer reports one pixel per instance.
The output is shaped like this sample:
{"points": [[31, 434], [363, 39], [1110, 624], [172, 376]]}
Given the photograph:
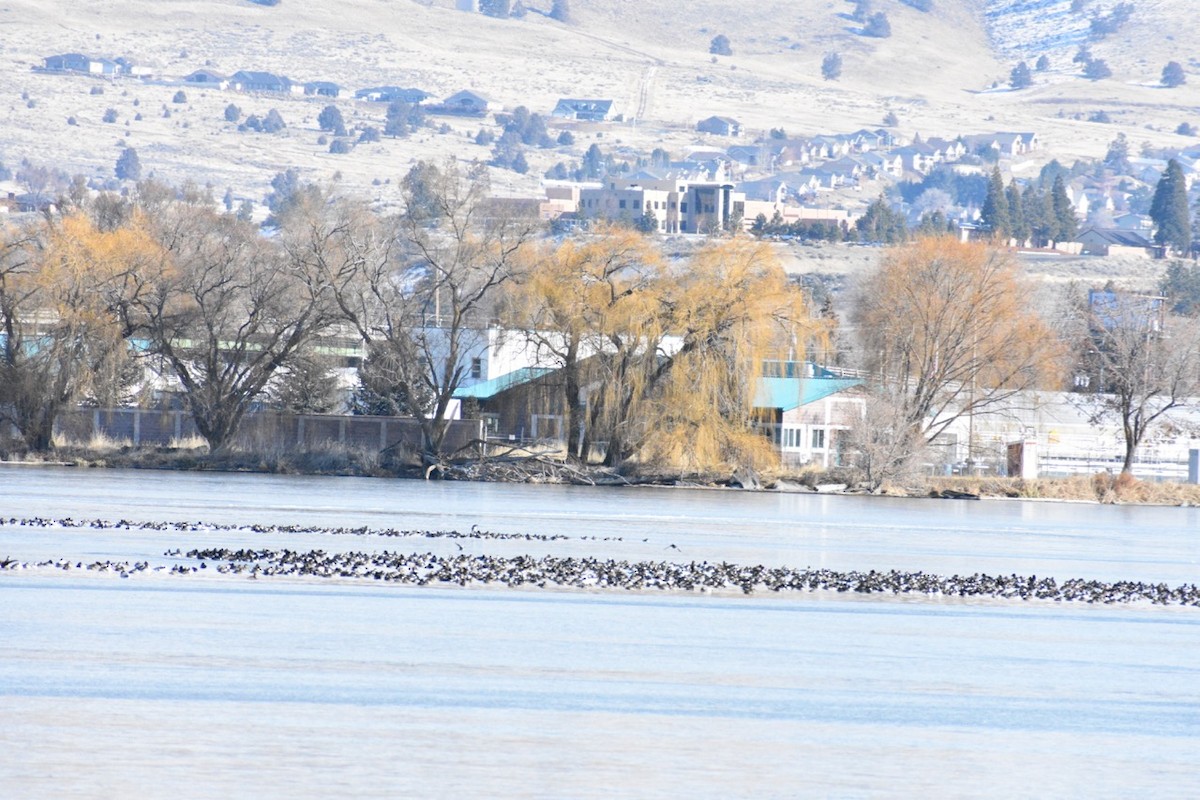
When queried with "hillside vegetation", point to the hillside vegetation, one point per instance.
{"points": [[942, 72]]}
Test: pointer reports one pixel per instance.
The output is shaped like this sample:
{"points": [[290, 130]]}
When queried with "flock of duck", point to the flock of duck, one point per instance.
{"points": [[462, 569]]}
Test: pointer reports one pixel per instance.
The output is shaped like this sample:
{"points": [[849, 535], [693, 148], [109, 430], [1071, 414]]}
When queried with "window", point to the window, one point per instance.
{"points": [[683, 207], [622, 204], [818, 439], [637, 204], [477, 368]]}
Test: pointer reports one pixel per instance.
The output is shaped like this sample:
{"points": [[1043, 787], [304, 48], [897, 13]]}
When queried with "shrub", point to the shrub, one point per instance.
{"points": [[110, 115], [720, 45], [97, 90], [831, 66], [180, 97], [273, 122], [878, 26], [339, 147], [232, 113]]}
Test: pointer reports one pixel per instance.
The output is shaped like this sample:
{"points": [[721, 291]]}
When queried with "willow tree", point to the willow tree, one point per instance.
{"points": [[727, 308], [948, 328], [562, 303], [62, 335]]}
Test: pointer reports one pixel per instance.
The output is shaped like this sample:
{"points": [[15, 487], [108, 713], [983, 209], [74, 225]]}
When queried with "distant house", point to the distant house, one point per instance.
{"points": [[720, 126], [1113, 242], [77, 62], [322, 89], [588, 110], [207, 78], [388, 94], [766, 190], [68, 62], [881, 163], [251, 81], [465, 103]]}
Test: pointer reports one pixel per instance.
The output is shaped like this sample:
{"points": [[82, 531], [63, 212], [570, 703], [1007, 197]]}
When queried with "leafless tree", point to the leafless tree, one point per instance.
{"points": [[225, 311], [1142, 364], [419, 291]]}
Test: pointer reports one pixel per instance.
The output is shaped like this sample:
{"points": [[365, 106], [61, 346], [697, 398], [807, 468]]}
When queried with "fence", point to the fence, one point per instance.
{"points": [[263, 431]]}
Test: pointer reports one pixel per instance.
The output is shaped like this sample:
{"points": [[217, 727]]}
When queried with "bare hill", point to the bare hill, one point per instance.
{"points": [[937, 71]]}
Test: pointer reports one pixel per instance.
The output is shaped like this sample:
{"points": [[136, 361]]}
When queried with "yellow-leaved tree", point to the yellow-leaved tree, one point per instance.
{"points": [[61, 286], [663, 355], [948, 329]]}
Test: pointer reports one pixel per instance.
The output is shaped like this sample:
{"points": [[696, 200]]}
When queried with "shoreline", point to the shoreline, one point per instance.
{"points": [[1098, 488]]}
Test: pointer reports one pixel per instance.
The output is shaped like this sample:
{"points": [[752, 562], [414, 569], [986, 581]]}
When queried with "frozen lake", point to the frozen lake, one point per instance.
{"points": [[214, 685]]}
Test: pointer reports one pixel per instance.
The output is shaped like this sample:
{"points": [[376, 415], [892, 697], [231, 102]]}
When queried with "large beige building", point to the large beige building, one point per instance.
{"points": [[678, 204]]}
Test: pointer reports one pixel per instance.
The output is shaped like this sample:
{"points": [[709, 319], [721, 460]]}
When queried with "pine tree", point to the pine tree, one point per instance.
{"points": [[1020, 77], [995, 207], [831, 66], [1169, 209], [1065, 224], [129, 166], [1033, 204], [1016, 213], [560, 10], [1173, 75]]}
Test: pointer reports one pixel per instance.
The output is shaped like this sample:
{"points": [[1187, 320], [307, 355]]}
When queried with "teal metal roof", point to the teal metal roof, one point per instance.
{"points": [[489, 389], [788, 393]]}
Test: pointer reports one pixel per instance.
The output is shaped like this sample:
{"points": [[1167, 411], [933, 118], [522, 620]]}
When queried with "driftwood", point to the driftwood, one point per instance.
{"points": [[532, 468]]}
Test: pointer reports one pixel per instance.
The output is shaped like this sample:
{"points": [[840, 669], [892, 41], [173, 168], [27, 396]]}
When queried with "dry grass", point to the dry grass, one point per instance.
{"points": [[1101, 488]]}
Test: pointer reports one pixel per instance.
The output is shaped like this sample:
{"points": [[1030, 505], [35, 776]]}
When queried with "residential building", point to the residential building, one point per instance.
{"points": [[1114, 242], [322, 89], [388, 94], [586, 110], [207, 79], [720, 126], [679, 204], [252, 81], [807, 411], [465, 103]]}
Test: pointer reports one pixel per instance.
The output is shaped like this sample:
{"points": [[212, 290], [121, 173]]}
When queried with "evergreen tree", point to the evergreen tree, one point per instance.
{"points": [[1021, 77], [1173, 75], [1033, 206], [560, 10], [1117, 156], [330, 119], [878, 26], [1181, 286], [881, 224], [995, 207], [1016, 213], [1097, 69], [831, 66], [720, 46], [129, 166], [1043, 63], [1066, 225], [1169, 209], [496, 8]]}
